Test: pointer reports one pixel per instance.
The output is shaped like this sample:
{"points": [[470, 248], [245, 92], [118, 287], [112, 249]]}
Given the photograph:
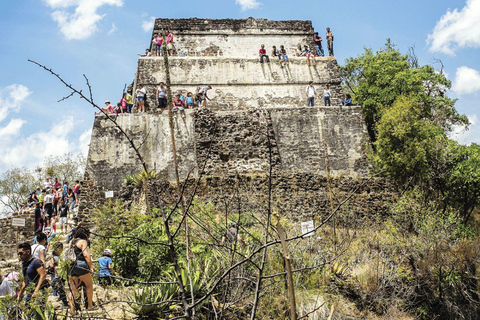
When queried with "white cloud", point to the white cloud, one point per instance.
{"points": [[467, 136], [457, 29], [248, 4], [147, 25], [11, 129], [112, 30], [467, 80], [32, 150], [12, 98], [82, 22]]}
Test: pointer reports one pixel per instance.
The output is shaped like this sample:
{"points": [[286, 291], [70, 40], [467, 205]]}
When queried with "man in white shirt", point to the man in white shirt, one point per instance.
{"points": [[311, 94], [47, 184]]}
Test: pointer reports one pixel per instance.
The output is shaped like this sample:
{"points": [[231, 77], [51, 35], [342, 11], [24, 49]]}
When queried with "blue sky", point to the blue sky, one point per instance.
{"points": [[102, 38]]}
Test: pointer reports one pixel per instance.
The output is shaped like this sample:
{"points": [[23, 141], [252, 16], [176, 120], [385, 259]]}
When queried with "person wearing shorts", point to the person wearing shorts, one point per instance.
{"points": [[105, 271], [63, 209], [141, 92], [169, 41]]}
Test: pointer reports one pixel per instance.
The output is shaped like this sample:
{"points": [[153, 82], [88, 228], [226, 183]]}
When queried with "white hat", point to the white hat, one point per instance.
{"points": [[108, 101], [107, 252]]}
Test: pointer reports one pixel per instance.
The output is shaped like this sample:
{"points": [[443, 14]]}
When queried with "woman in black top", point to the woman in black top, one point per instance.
{"points": [[83, 268]]}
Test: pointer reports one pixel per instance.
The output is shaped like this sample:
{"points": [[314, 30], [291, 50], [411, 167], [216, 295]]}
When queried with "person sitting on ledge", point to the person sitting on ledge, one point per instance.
{"points": [[276, 53], [178, 105], [146, 54], [307, 53], [108, 109], [347, 101], [283, 55], [262, 53]]}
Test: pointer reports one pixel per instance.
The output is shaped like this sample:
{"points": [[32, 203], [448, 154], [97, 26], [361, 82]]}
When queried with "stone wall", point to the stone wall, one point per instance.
{"points": [[11, 236], [242, 83], [298, 196], [232, 142], [234, 38]]}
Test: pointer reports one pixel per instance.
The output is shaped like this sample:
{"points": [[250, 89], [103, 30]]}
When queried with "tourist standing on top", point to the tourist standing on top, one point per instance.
{"points": [[162, 96], [318, 45], [326, 95], [311, 94], [329, 37], [169, 41], [141, 92], [123, 102], [189, 101], [129, 102], [158, 43], [63, 216], [262, 53], [33, 271]]}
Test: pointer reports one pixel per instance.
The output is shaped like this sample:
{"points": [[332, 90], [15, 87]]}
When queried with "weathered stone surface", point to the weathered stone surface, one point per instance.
{"points": [[242, 83], [11, 236], [234, 38], [232, 142]]}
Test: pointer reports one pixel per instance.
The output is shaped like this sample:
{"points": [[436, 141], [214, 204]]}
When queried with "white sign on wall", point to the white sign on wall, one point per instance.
{"points": [[308, 228], [18, 222], [108, 194]]}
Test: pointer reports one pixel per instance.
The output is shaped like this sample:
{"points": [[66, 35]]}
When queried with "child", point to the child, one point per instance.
{"points": [[182, 97], [123, 103], [105, 271], [190, 101], [178, 105]]}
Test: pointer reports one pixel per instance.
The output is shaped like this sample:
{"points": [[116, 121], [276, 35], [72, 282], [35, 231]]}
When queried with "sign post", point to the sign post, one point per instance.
{"points": [[108, 194], [308, 228]]}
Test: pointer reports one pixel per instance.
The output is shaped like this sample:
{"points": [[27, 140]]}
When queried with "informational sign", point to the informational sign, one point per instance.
{"points": [[108, 194], [308, 228], [18, 222]]}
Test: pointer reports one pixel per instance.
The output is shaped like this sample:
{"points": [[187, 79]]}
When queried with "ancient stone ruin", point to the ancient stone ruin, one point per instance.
{"points": [[252, 105]]}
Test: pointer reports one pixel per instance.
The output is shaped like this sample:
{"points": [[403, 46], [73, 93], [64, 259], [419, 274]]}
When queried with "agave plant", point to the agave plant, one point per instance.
{"points": [[153, 302]]}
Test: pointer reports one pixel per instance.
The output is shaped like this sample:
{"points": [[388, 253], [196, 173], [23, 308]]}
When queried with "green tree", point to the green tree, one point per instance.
{"points": [[463, 181], [15, 184], [376, 80], [407, 144]]}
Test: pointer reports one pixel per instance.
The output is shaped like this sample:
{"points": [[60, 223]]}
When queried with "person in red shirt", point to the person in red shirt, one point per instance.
{"points": [[178, 105], [263, 54]]}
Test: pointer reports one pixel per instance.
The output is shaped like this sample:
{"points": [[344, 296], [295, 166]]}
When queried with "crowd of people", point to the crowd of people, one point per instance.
{"points": [[282, 56], [181, 100], [53, 204], [198, 98]]}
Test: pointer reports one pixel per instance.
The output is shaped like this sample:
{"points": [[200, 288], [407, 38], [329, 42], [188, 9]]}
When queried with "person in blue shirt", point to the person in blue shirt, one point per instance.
{"points": [[347, 101], [105, 271]]}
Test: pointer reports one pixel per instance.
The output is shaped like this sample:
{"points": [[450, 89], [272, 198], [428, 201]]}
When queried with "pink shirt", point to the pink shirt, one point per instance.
{"points": [[159, 40], [110, 108], [123, 101], [169, 38]]}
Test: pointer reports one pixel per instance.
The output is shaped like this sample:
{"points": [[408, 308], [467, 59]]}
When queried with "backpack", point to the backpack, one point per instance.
{"points": [[69, 255]]}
